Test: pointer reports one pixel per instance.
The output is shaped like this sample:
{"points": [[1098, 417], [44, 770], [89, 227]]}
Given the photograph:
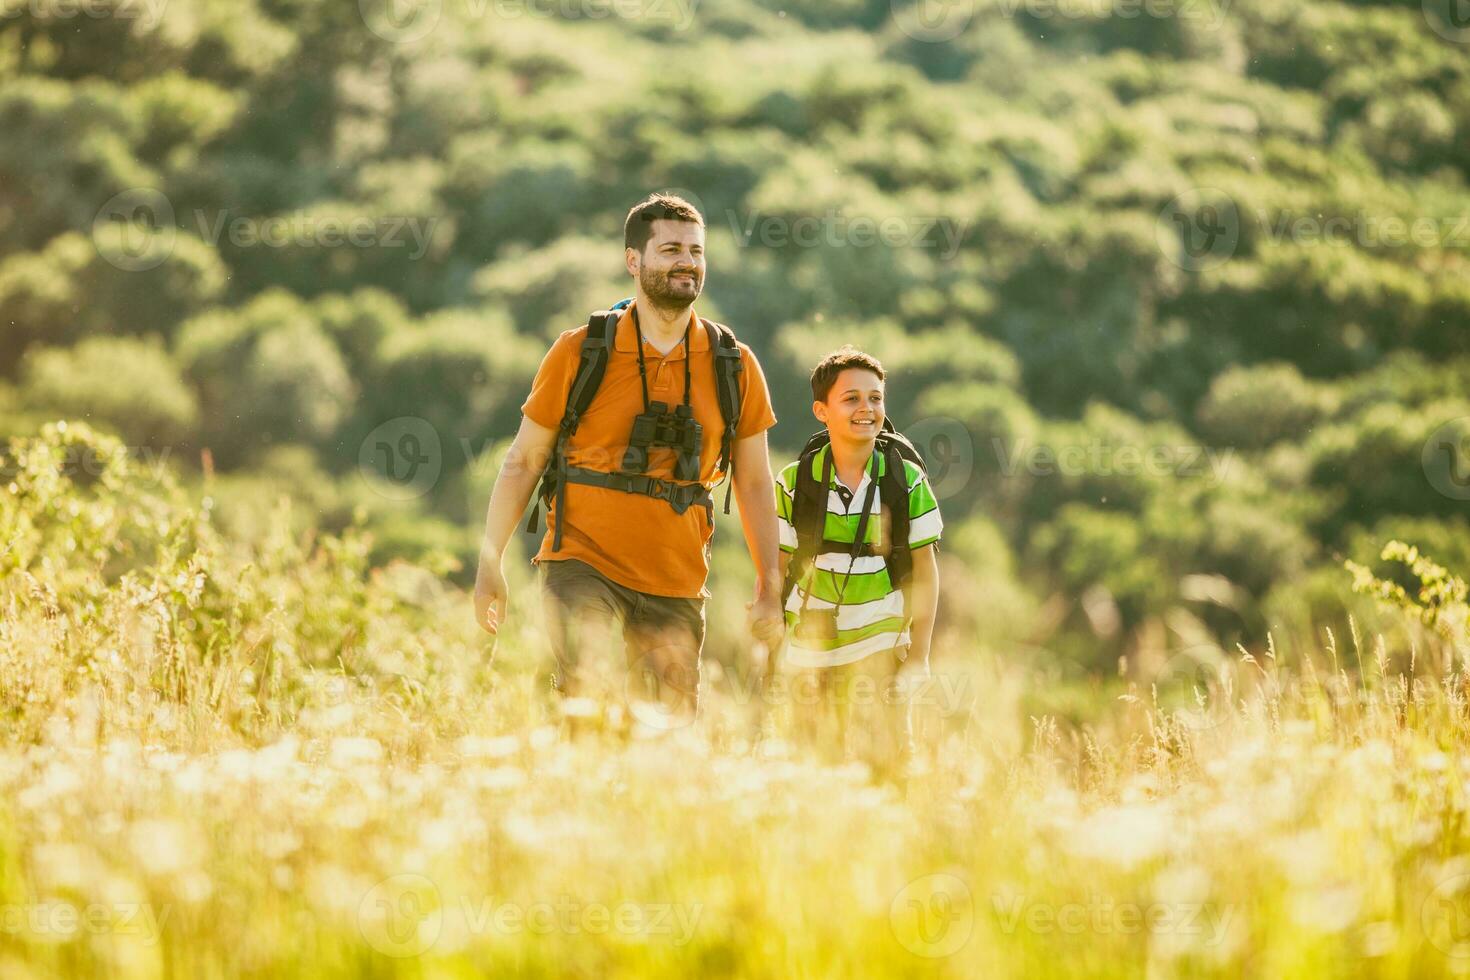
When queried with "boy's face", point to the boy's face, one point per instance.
{"points": [[853, 410]]}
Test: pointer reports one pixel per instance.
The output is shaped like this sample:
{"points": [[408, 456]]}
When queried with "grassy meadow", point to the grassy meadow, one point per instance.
{"points": [[229, 757], [1172, 295]]}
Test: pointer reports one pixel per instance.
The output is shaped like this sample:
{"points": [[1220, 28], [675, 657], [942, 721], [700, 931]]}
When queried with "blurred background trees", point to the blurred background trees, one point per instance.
{"points": [[1178, 303]]}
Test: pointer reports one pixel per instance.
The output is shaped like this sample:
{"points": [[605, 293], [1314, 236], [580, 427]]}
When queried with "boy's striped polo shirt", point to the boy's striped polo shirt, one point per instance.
{"points": [[871, 617]]}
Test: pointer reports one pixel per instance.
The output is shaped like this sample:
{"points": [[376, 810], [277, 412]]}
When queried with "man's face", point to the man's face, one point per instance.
{"points": [[671, 266], [854, 407]]}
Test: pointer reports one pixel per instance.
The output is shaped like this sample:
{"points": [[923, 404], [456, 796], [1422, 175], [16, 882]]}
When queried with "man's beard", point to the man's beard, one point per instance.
{"points": [[665, 294]]}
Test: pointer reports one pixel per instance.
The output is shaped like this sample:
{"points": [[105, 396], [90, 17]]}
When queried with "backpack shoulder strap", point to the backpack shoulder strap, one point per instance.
{"points": [[601, 329], [893, 486], [591, 366], [728, 365], [808, 513]]}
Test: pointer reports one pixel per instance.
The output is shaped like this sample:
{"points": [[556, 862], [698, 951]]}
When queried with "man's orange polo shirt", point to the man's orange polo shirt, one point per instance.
{"points": [[636, 540]]}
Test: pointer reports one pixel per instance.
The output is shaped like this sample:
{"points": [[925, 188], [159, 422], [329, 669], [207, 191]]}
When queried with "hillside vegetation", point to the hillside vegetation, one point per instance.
{"points": [[1174, 294]]}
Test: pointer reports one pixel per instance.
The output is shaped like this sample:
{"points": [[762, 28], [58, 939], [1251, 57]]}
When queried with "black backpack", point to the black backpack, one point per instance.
{"points": [[596, 349], [809, 510]]}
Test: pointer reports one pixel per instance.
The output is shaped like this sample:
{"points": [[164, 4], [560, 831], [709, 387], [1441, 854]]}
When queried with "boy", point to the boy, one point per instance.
{"points": [[859, 604]]}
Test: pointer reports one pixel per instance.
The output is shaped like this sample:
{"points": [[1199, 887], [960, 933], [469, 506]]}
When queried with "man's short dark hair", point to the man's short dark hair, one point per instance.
{"points": [[824, 375], [638, 229]]}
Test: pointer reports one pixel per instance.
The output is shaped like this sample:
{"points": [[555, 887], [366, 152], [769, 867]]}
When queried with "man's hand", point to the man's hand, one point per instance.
{"points": [[755, 491], [492, 596], [766, 621], [513, 488]]}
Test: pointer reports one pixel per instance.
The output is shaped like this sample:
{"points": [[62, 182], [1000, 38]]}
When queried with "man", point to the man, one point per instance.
{"points": [[614, 552]]}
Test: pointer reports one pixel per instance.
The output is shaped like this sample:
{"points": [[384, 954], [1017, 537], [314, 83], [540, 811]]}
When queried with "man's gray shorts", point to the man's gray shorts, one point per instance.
{"points": [[663, 635]]}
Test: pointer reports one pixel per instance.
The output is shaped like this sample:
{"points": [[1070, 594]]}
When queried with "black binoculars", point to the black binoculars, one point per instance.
{"points": [[659, 427]]}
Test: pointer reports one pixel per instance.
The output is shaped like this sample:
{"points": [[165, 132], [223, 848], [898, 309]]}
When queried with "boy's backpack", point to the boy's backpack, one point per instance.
{"points": [[809, 509], [596, 349]]}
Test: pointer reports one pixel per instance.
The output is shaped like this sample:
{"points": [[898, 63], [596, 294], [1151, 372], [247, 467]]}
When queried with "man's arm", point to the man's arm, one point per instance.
{"points": [[755, 490], [513, 488], [925, 598]]}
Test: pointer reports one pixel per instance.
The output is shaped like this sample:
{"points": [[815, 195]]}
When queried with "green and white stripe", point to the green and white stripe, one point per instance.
{"points": [[871, 617]]}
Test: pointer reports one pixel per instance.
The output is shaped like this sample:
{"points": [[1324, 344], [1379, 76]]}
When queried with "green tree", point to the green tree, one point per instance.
{"points": [[128, 384]]}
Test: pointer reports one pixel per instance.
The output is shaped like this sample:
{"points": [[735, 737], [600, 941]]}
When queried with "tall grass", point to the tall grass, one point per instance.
{"points": [[262, 758]]}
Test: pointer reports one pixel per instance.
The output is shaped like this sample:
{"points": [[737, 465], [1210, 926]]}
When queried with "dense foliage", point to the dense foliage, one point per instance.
{"points": [[1177, 298]]}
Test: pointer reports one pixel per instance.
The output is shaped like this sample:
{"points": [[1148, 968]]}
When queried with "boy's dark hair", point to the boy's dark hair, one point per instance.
{"points": [[638, 228], [824, 375]]}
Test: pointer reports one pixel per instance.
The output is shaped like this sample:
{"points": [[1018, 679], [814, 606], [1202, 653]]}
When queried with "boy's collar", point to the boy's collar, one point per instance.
{"points": [[819, 457]]}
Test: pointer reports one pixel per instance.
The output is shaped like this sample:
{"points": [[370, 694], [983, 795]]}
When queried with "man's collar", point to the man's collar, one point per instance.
{"points": [[626, 339]]}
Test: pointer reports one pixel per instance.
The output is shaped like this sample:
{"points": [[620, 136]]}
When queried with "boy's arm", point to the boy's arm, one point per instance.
{"points": [[925, 586]]}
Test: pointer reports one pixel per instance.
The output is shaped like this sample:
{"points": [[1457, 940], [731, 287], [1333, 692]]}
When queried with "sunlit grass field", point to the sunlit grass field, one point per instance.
{"points": [[263, 758]]}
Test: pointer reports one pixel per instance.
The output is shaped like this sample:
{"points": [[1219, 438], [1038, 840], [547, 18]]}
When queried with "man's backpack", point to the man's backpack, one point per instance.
{"points": [[597, 347], [809, 510]]}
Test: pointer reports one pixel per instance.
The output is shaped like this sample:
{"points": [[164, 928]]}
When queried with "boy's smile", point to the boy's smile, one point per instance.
{"points": [[854, 407]]}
